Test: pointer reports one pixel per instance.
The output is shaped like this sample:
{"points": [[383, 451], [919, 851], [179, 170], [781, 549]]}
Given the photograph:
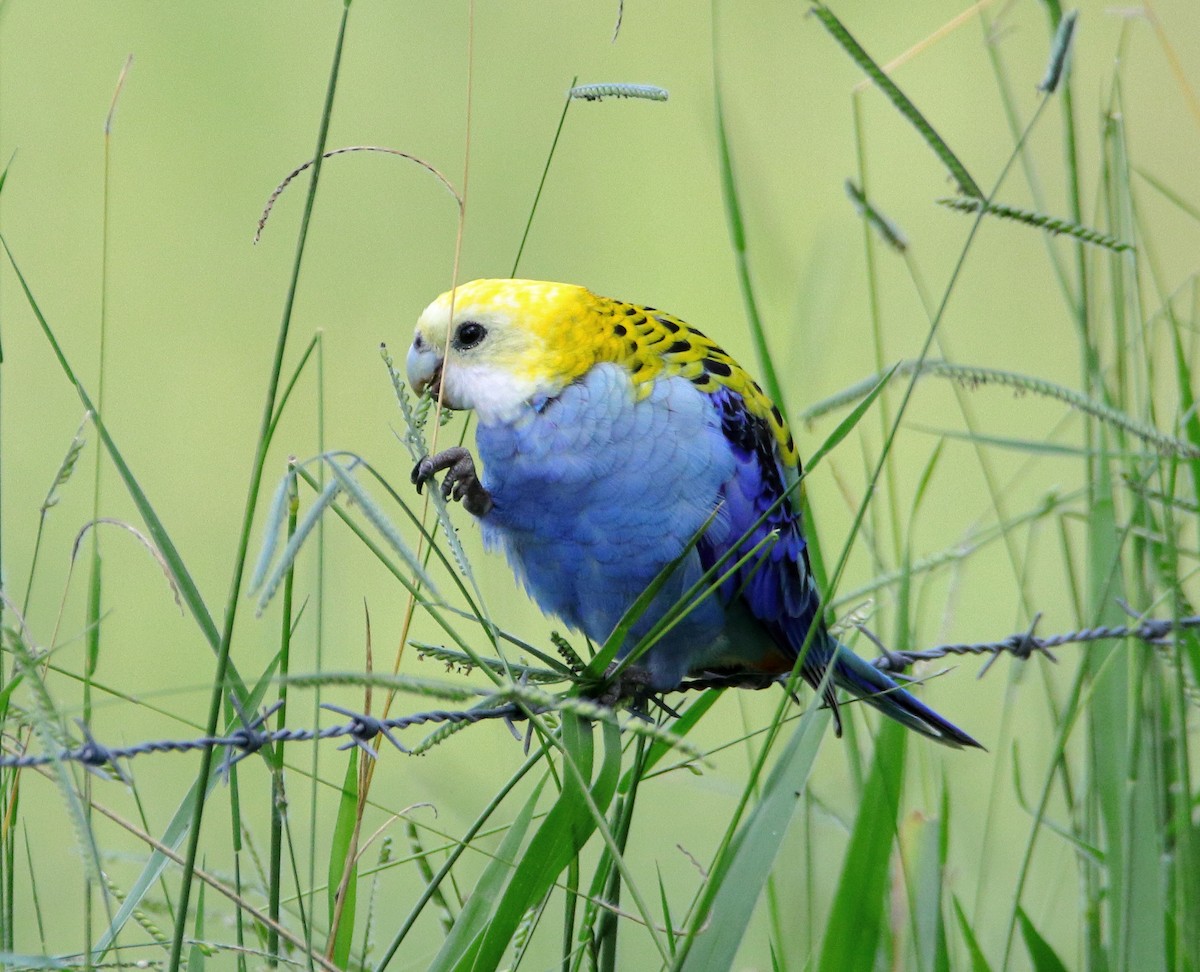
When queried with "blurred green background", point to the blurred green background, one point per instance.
{"points": [[223, 99]]}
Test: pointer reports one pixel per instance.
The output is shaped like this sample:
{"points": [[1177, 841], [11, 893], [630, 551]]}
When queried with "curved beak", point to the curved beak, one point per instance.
{"points": [[424, 366]]}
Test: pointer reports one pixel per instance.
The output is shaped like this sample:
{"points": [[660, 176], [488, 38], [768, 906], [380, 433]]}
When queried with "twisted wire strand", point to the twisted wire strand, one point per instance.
{"points": [[363, 729], [1024, 645], [245, 741]]}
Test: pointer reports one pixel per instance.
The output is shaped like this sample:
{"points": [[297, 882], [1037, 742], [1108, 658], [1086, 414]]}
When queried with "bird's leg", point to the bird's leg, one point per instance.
{"points": [[633, 683], [461, 482]]}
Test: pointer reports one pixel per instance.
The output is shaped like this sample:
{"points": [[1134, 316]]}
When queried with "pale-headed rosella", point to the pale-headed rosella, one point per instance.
{"points": [[611, 435]]}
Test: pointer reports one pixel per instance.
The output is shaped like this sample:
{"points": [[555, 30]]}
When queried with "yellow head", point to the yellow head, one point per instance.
{"points": [[508, 342]]}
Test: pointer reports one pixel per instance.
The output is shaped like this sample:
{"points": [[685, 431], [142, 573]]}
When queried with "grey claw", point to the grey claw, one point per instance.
{"points": [[461, 482], [422, 471]]}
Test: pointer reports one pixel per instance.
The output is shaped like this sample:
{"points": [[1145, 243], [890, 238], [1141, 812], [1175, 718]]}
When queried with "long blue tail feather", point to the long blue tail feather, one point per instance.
{"points": [[864, 681]]}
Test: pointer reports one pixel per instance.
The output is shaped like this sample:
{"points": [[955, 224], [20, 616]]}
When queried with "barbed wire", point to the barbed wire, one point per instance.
{"points": [[1024, 645], [363, 729]]}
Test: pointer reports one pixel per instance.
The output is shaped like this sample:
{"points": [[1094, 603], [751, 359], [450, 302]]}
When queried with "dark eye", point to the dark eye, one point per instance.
{"points": [[468, 335]]}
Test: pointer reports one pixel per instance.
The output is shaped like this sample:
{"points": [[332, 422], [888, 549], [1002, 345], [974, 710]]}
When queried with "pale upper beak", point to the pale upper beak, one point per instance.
{"points": [[424, 365]]}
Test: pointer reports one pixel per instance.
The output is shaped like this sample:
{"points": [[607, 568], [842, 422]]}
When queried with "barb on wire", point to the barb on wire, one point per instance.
{"points": [[249, 739], [95, 757], [1025, 644], [364, 728], [517, 702]]}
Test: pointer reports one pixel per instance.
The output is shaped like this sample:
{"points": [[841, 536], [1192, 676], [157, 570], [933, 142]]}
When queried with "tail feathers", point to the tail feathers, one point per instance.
{"points": [[868, 683]]}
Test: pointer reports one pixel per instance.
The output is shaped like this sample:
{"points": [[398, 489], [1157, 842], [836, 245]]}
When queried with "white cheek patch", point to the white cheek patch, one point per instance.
{"points": [[494, 393]]}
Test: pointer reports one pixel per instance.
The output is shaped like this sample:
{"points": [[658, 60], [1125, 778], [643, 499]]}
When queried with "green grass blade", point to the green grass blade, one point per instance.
{"points": [[858, 920], [608, 651], [1170, 194], [284, 396], [232, 598], [888, 231], [979, 962], [3, 180], [154, 526], [537, 196], [925, 891], [15, 960], [564, 830], [1145, 901], [562, 834], [197, 953], [846, 425], [1109, 710], [460, 847], [737, 238], [1187, 398], [598, 929], [340, 857], [665, 904], [899, 99], [471, 922], [732, 892], [1041, 955]]}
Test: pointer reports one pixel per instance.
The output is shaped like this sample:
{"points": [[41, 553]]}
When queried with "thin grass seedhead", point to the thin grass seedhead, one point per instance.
{"points": [[888, 231], [416, 417], [1051, 224], [146, 543], [567, 652], [272, 527], [287, 180], [463, 664], [382, 523], [66, 468], [976, 376], [1060, 51], [899, 100], [61, 477], [598, 92], [269, 584]]}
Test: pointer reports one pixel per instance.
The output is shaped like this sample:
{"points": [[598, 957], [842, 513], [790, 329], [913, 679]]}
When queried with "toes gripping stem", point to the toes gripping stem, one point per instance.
{"points": [[461, 482]]}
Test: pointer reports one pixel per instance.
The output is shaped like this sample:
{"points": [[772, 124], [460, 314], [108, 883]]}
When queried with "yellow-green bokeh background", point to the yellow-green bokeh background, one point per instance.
{"points": [[223, 99]]}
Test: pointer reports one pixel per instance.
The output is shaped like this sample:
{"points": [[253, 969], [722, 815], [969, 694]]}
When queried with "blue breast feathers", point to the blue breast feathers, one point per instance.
{"points": [[595, 492]]}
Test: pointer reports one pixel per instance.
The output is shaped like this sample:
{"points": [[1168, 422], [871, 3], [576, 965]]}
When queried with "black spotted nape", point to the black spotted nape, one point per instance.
{"points": [[650, 342]]}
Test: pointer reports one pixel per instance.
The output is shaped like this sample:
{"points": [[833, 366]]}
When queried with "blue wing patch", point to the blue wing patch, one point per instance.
{"points": [[775, 583]]}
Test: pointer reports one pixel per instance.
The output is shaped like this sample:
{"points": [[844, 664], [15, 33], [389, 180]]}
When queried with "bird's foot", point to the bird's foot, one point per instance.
{"points": [[461, 482], [632, 684]]}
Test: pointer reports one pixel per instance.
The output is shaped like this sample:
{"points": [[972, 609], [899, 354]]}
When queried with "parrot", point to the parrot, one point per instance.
{"points": [[616, 441]]}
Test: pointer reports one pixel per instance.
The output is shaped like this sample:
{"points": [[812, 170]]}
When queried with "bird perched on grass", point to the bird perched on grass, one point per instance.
{"points": [[615, 440]]}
